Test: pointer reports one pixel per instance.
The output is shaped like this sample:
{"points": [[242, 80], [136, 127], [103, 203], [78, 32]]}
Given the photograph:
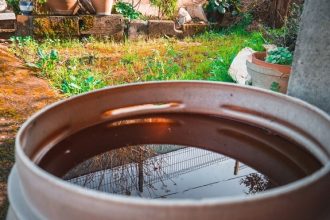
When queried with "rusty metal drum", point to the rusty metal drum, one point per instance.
{"points": [[283, 137]]}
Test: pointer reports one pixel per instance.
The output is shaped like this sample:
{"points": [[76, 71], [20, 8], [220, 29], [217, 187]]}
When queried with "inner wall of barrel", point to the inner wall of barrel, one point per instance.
{"points": [[271, 154]]}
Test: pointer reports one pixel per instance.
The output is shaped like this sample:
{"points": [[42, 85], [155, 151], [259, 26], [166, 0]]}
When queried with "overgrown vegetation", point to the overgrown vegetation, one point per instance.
{"points": [[287, 35], [70, 76], [223, 6], [166, 8], [74, 66]]}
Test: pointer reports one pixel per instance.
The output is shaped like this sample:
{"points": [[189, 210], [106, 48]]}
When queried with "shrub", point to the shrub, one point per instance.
{"points": [[127, 10], [165, 7], [223, 6], [14, 4]]}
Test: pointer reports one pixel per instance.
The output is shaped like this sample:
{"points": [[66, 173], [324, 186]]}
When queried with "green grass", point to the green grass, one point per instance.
{"points": [[81, 66]]}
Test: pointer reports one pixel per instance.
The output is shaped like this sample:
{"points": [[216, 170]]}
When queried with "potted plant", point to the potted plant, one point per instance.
{"points": [[62, 7], [26, 7], [102, 7], [271, 68]]}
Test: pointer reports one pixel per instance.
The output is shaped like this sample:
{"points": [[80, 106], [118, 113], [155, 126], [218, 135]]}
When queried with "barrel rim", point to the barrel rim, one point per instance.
{"points": [[226, 200]]}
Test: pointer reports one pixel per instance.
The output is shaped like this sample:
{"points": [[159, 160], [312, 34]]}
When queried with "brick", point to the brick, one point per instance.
{"points": [[56, 26], [24, 25], [159, 28], [102, 26]]}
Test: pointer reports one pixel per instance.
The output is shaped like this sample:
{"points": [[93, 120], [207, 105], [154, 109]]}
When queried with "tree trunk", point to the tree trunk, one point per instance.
{"points": [[279, 12]]}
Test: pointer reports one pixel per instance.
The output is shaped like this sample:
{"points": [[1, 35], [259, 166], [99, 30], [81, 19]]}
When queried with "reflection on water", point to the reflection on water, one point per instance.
{"points": [[167, 171]]}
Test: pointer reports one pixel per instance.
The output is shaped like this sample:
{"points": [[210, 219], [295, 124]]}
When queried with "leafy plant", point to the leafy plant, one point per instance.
{"points": [[80, 82], [223, 6], [161, 68], [14, 4], [127, 10], [71, 78], [47, 61], [22, 41], [165, 7], [279, 55]]}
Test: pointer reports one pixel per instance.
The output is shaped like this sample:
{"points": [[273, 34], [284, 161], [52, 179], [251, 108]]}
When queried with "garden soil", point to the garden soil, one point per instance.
{"points": [[21, 95]]}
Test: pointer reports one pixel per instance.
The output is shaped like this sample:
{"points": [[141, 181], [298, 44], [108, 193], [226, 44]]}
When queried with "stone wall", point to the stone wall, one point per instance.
{"points": [[112, 26]]}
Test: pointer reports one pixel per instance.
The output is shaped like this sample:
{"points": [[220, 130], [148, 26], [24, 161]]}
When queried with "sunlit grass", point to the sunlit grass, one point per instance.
{"points": [[204, 57]]}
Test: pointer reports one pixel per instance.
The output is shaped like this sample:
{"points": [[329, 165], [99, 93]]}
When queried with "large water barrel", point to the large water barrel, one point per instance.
{"points": [[285, 138]]}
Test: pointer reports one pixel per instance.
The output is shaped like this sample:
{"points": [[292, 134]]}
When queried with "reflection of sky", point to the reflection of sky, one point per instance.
{"points": [[184, 173]]}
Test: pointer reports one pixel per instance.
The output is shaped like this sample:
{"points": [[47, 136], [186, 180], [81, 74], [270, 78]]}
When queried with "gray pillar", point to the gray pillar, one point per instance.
{"points": [[310, 79]]}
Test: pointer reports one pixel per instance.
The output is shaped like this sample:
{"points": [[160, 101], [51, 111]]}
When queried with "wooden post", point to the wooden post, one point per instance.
{"points": [[236, 168], [140, 171]]}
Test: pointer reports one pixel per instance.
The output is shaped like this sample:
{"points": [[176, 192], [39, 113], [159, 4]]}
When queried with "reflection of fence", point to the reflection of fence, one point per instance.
{"points": [[134, 176]]}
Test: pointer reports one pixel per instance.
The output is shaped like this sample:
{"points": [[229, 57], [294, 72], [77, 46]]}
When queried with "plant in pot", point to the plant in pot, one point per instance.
{"points": [[270, 68], [102, 7], [216, 9], [62, 7]]}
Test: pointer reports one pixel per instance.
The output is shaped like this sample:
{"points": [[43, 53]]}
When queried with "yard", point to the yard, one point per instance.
{"points": [[72, 67], [35, 73]]}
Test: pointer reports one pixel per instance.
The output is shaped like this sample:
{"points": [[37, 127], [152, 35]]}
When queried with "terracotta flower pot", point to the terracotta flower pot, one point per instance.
{"points": [[266, 75], [102, 7], [258, 58], [62, 7]]}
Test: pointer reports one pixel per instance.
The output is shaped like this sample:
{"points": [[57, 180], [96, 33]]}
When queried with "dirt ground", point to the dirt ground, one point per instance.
{"points": [[21, 95]]}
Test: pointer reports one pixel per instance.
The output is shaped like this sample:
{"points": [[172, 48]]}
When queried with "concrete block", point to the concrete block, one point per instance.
{"points": [[159, 28], [137, 29], [193, 29], [102, 26], [197, 11]]}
